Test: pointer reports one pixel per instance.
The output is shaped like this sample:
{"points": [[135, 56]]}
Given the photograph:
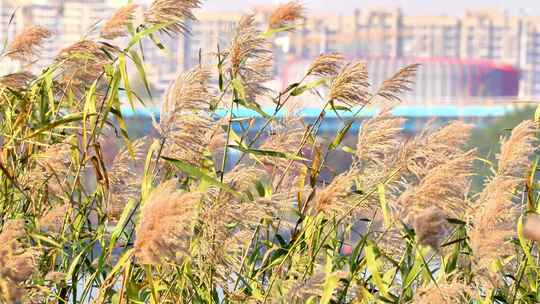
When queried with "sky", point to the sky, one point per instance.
{"points": [[410, 7]]}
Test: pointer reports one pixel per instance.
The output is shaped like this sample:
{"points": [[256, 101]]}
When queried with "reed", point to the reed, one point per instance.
{"points": [[171, 218]]}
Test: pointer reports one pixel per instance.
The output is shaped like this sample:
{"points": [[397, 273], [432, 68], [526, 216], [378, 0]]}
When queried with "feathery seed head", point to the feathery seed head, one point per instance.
{"points": [[442, 186], [125, 178], [188, 92], [174, 14], [430, 227], [531, 229], [351, 85], [26, 45], [17, 81], [250, 57], [379, 139], [286, 15], [53, 220], [445, 293], [326, 65], [493, 221], [82, 63], [398, 84], [332, 198], [116, 25], [165, 225], [516, 150]]}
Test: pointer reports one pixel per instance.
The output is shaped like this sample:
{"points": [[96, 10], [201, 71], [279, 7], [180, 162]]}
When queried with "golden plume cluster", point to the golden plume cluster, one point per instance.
{"points": [[186, 125], [172, 14], [125, 177], [165, 226], [26, 45], [115, 26], [350, 85], [17, 261], [285, 15], [326, 65], [495, 214], [250, 58]]}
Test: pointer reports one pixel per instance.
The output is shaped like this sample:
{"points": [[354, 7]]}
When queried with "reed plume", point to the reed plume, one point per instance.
{"points": [[531, 228], [125, 178], [326, 65], [83, 63], [351, 85], [493, 221], [250, 57], [333, 199], [186, 125], [285, 15], [53, 220], [27, 44], [494, 218], [173, 15], [430, 226], [17, 81], [17, 261], [445, 293], [379, 140], [53, 165], [188, 92], [115, 26], [284, 138], [515, 150], [429, 149], [443, 186], [392, 89], [165, 225]]}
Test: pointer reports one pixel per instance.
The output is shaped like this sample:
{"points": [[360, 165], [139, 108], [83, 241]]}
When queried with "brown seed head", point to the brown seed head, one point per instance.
{"points": [[445, 293], [116, 25], [379, 139], [326, 65], [125, 177], [165, 226], [189, 92], [172, 13], [17, 81], [493, 225], [516, 150], [350, 85], [250, 57], [430, 227], [26, 45], [531, 229], [398, 84], [53, 220], [286, 15]]}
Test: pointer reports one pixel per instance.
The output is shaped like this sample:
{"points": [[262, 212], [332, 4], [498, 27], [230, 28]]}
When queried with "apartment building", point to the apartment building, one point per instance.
{"points": [[430, 36]]}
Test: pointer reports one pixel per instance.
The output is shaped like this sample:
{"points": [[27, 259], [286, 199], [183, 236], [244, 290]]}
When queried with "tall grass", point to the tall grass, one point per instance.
{"points": [[176, 219]]}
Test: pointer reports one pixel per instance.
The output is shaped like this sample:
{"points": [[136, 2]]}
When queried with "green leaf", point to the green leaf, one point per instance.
{"points": [[120, 226], [124, 74], [374, 269], [340, 136], [239, 88], [299, 90], [123, 131], [65, 120], [198, 173], [330, 283], [140, 69]]}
